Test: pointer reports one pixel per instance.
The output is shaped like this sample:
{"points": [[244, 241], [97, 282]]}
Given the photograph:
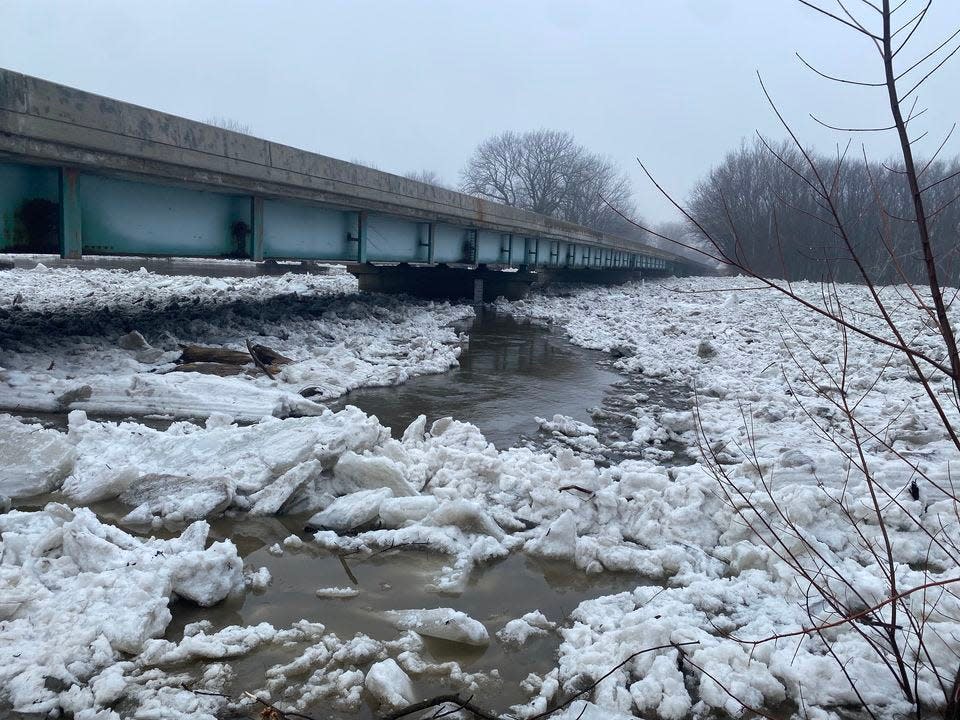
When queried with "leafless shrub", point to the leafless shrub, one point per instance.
{"points": [[911, 324]]}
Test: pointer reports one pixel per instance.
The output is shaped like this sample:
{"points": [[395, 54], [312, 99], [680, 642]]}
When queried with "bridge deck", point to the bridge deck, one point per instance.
{"points": [[84, 174]]}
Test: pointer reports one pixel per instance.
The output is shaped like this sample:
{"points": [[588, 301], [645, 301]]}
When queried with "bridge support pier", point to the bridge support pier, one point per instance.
{"points": [[256, 228], [71, 240], [441, 282]]}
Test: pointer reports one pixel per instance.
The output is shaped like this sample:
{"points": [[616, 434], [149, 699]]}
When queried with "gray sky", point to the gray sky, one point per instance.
{"points": [[416, 84]]}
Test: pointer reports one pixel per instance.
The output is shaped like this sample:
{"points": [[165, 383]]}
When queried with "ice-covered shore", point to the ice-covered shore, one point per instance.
{"points": [[767, 373], [62, 341], [441, 486], [78, 597]]}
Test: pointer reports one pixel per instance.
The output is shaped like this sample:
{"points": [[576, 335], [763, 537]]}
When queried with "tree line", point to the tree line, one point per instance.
{"points": [[756, 202], [765, 213]]}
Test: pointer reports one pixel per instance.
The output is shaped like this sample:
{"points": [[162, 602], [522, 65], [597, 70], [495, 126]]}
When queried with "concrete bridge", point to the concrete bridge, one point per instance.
{"points": [[82, 174]]}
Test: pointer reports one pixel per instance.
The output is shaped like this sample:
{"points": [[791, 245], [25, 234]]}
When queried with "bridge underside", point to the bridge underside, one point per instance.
{"points": [[50, 209]]}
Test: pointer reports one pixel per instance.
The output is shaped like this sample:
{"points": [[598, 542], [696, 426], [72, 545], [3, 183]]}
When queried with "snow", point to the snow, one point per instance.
{"points": [[757, 413], [79, 596], [187, 471]]}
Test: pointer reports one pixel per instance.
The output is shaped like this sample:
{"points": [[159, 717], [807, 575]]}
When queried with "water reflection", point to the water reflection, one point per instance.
{"points": [[510, 371]]}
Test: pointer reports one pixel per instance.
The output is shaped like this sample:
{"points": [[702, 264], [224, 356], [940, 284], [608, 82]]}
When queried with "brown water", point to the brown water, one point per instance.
{"points": [[513, 370], [510, 371], [496, 593]]}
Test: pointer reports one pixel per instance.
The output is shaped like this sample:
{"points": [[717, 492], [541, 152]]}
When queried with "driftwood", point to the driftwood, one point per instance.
{"points": [[200, 354], [225, 362], [210, 368], [258, 362], [269, 356]]}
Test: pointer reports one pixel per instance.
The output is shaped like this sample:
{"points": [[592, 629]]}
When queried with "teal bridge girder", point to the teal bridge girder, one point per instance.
{"points": [[83, 174]]}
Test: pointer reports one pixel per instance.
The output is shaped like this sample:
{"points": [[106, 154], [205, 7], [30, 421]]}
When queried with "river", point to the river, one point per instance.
{"points": [[510, 371]]}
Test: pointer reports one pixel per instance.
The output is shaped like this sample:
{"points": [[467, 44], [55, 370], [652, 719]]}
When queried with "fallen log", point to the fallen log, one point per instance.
{"points": [[211, 368], [223, 361], [201, 354], [269, 356], [259, 363]]}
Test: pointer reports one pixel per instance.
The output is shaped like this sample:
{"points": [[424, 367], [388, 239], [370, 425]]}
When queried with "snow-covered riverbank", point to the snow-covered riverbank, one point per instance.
{"points": [[66, 343], [771, 379], [441, 487]]}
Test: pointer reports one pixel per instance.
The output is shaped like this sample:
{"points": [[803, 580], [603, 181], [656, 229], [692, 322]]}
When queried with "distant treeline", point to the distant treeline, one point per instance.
{"points": [[760, 209]]}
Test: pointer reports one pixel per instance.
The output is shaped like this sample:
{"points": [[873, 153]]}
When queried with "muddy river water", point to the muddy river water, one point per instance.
{"points": [[510, 371]]}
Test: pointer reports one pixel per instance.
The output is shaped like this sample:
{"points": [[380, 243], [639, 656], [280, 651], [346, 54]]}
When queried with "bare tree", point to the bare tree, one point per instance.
{"points": [[548, 172], [494, 170], [229, 124], [428, 177], [903, 628], [757, 193]]}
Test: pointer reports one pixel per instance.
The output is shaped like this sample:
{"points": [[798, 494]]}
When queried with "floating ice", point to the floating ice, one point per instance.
{"points": [[389, 685], [442, 623]]}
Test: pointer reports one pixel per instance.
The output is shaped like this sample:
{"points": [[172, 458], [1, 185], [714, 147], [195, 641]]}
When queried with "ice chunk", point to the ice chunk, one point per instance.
{"points": [[467, 516], [518, 631], [442, 623], [90, 592], [207, 576], [93, 488], [133, 340], [389, 684], [269, 500], [416, 430], [337, 592], [366, 471], [560, 540], [706, 349], [33, 460], [566, 425], [397, 512], [351, 511], [180, 497], [258, 579]]}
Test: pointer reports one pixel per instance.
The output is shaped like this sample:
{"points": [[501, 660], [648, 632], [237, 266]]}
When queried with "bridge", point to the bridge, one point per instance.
{"points": [[82, 174]]}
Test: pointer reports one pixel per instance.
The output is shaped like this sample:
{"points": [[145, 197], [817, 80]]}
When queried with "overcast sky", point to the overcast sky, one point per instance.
{"points": [[416, 84]]}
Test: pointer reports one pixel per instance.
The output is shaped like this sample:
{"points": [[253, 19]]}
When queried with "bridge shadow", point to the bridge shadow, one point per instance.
{"points": [[31, 329]]}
